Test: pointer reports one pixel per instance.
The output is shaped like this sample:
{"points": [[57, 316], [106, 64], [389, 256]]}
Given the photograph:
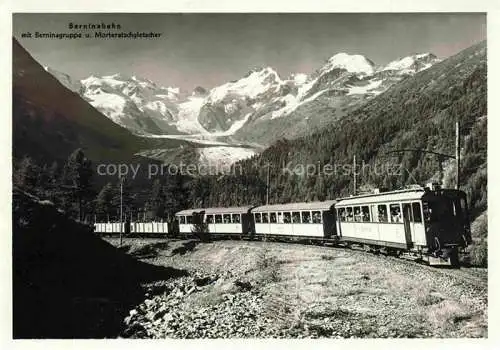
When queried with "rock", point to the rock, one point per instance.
{"points": [[243, 285], [203, 281]]}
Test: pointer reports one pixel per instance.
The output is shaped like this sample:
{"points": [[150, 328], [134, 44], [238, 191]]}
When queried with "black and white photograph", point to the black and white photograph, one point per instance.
{"points": [[187, 175]]}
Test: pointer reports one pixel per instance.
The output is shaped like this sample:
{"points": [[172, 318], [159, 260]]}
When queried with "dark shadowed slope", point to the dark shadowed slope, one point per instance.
{"points": [[67, 282], [50, 121]]}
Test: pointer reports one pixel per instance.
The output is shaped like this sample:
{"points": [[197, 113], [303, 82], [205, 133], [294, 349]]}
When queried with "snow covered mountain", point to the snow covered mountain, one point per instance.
{"points": [[138, 104], [260, 107]]}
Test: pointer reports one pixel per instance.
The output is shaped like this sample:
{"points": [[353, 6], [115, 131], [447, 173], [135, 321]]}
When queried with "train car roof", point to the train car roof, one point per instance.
{"points": [[404, 195], [209, 211], [295, 206]]}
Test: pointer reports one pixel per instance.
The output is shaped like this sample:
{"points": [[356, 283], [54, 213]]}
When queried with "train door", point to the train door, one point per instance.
{"points": [[407, 220], [328, 223]]}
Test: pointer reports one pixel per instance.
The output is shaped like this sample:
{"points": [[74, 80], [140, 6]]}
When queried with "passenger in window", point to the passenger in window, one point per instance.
{"points": [[365, 214], [382, 214], [280, 218], [357, 215], [296, 217], [265, 218], [287, 218], [306, 217], [395, 214], [316, 217], [349, 215], [272, 218]]}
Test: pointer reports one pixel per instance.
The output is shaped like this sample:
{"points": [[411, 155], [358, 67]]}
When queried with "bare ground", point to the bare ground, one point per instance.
{"points": [[264, 289]]}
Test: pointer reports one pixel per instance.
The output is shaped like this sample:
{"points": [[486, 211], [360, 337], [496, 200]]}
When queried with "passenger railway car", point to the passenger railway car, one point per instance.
{"points": [[136, 228], [313, 220], [430, 221], [217, 221]]}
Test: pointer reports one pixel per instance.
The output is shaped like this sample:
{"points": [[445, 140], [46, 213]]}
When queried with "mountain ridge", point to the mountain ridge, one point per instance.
{"points": [[251, 102]]}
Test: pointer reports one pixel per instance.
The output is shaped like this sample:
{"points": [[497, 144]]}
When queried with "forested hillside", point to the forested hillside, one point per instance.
{"points": [[418, 113]]}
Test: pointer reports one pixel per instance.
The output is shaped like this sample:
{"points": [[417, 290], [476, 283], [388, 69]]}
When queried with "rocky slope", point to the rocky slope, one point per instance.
{"points": [[279, 290]]}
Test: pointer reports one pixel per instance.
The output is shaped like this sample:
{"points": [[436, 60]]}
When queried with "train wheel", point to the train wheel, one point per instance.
{"points": [[454, 260]]}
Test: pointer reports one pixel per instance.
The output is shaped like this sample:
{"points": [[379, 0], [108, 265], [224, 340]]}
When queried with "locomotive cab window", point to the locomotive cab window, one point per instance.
{"points": [[218, 219], [316, 217], [210, 219], [306, 217], [296, 217], [287, 218], [236, 218], [272, 218], [257, 218], [265, 218], [396, 216]]}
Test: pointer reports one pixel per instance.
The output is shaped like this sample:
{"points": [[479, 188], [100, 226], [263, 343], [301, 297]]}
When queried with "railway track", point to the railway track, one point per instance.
{"points": [[460, 273]]}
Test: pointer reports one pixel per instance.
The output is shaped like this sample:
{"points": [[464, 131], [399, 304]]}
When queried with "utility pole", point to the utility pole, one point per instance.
{"points": [[354, 172], [457, 152], [122, 179], [267, 183]]}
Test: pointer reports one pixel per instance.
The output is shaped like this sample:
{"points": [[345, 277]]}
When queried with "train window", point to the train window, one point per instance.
{"points": [[382, 213], [189, 219], [306, 217], [349, 215], [316, 217], [265, 218], [257, 218], [357, 214], [272, 218], [210, 219], [463, 206], [280, 217], [342, 214], [407, 215], [227, 218], [438, 211], [236, 218], [218, 219], [374, 213], [287, 217], [296, 217], [365, 213], [182, 220], [395, 210], [417, 214]]}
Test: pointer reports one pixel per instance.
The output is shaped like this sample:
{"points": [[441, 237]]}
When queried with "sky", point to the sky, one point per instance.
{"points": [[210, 49]]}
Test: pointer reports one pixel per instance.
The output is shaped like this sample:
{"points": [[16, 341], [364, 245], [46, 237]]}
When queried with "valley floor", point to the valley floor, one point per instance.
{"points": [[263, 289]]}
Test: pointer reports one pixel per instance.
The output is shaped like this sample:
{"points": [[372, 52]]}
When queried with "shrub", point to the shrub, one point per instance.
{"points": [[479, 250], [268, 266], [479, 253]]}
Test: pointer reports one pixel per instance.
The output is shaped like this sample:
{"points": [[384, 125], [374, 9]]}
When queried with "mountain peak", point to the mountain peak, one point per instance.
{"points": [[351, 63], [413, 63]]}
